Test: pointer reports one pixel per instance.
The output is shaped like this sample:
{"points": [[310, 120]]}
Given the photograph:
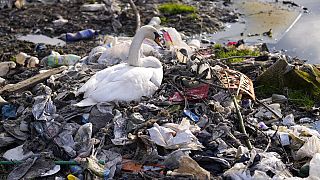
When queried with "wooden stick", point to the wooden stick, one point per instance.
{"points": [[136, 12], [10, 88]]}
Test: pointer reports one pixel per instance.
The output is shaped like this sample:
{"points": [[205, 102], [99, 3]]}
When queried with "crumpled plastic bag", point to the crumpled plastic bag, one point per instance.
{"points": [[17, 154], [269, 161], [314, 172], [65, 138], [310, 148], [174, 136], [43, 108], [83, 141], [112, 161], [120, 134]]}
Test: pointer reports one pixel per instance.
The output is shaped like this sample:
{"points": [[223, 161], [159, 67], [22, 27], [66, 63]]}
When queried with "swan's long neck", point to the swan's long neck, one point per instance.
{"points": [[134, 51]]}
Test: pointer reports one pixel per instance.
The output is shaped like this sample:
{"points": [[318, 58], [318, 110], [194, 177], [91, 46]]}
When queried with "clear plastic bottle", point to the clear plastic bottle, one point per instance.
{"points": [[56, 60], [84, 34]]}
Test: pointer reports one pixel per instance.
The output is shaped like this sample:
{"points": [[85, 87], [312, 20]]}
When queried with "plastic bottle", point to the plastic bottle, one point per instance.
{"points": [[56, 60], [84, 34]]}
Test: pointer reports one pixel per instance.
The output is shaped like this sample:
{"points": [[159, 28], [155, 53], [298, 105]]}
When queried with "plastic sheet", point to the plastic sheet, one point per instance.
{"points": [[173, 137]]}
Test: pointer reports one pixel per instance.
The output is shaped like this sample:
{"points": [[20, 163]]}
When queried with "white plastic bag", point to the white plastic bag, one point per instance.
{"points": [[310, 148]]}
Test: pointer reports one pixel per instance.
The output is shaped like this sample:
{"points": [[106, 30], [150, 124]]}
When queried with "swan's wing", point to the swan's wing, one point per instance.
{"points": [[131, 85], [93, 82]]}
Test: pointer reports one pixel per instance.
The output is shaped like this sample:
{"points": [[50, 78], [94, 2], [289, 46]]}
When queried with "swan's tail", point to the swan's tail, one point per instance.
{"points": [[86, 102]]}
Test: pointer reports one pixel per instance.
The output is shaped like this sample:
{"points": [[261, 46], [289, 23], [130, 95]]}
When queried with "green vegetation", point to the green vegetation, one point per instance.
{"points": [[164, 20], [193, 16], [297, 97], [226, 52], [91, 1], [176, 8], [13, 58], [300, 98], [266, 91]]}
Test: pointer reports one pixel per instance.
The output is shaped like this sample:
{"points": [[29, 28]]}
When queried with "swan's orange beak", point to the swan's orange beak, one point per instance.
{"points": [[158, 41]]}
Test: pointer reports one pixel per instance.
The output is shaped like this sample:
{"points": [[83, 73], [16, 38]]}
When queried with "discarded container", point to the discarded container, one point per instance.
{"points": [[56, 60], [20, 3], [81, 35], [6, 66], [191, 115], [25, 60]]}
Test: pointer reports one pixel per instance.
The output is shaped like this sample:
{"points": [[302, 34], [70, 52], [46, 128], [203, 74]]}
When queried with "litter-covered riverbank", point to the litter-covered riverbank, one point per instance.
{"points": [[213, 111]]}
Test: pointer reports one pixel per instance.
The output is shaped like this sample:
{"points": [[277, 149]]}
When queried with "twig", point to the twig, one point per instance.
{"points": [[242, 127], [136, 12]]}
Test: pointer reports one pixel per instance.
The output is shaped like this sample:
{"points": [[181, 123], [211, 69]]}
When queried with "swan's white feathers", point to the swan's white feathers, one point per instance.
{"points": [[125, 82], [120, 83]]}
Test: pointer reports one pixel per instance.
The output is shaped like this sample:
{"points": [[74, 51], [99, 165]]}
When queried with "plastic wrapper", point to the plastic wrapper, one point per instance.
{"points": [[120, 134], [310, 148], [43, 108], [174, 137]]}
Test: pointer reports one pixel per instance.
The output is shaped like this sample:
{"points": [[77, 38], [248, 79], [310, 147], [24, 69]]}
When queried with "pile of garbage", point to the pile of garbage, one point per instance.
{"points": [[205, 121]]}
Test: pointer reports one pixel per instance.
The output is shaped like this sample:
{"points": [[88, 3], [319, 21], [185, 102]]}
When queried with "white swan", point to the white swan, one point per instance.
{"points": [[128, 81]]}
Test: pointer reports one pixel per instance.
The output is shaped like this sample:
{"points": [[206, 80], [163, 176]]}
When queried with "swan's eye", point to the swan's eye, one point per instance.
{"points": [[157, 39], [156, 35]]}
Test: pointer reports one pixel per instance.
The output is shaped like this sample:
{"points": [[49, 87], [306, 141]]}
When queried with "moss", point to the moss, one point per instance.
{"points": [[217, 46], [193, 16], [266, 91], [13, 58], [301, 80], [301, 98], [164, 20], [91, 1], [176, 8], [227, 52]]}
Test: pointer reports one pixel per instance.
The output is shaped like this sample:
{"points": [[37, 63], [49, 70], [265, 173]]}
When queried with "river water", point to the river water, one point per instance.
{"points": [[293, 30]]}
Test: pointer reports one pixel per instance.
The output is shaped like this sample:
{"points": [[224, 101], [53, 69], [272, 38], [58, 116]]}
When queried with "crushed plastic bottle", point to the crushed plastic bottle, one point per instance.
{"points": [[56, 60], [81, 35]]}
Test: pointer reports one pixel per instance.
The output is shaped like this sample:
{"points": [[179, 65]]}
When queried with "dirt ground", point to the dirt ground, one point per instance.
{"points": [[36, 18]]}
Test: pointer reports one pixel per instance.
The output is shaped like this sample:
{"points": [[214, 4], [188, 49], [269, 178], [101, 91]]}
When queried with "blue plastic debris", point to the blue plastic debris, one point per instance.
{"points": [[9, 111], [76, 170], [191, 115], [106, 174], [85, 118]]}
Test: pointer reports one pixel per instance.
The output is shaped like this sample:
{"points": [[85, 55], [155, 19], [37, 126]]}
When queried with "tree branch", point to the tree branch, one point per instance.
{"points": [[136, 12]]}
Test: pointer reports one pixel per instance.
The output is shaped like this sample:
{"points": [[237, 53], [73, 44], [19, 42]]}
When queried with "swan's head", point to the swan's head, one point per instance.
{"points": [[151, 33]]}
